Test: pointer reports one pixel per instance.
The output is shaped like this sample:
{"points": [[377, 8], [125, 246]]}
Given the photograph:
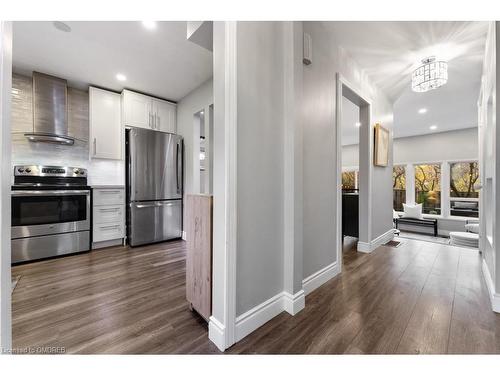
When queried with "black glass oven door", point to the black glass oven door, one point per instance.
{"points": [[41, 208]]}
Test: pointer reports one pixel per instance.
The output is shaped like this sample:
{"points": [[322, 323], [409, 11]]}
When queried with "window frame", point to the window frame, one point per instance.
{"points": [[405, 166], [445, 186]]}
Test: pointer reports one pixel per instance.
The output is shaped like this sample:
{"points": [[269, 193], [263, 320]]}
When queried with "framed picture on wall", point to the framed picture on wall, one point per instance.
{"points": [[381, 154]]}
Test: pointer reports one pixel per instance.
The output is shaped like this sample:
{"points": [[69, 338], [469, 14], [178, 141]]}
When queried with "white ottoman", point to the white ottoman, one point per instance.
{"points": [[465, 239]]}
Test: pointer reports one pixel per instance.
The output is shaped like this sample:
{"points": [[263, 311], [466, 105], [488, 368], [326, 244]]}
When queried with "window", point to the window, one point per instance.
{"points": [[464, 183], [428, 187], [349, 180], [398, 187]]}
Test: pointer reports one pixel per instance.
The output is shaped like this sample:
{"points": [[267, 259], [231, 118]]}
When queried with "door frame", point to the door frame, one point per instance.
{"points": [[5, 203], [346, 89]]}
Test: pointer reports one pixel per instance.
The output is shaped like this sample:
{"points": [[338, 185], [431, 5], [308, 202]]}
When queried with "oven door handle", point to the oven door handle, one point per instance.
{"points": [[19, 193]]}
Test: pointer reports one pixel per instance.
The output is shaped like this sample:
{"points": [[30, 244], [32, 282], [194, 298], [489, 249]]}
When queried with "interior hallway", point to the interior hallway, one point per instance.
{"points": [[418, 298]]}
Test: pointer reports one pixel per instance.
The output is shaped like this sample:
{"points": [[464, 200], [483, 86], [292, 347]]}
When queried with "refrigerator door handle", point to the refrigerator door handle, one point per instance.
{"points": [[146, 205], [178, 169]]}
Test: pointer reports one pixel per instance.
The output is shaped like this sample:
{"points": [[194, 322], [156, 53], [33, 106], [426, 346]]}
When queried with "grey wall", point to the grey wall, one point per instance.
{"points": [[199, 99], [350, 156], [453, 145], [259, 273], [320, 150], [489, 152], [457, 144]]}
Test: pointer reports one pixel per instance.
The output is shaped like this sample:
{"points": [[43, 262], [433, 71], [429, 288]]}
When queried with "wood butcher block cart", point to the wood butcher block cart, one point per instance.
{"points": [[199, 253]]}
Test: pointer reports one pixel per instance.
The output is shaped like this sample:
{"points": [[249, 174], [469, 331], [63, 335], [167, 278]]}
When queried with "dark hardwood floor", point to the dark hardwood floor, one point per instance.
{"points": [[418, 298]]}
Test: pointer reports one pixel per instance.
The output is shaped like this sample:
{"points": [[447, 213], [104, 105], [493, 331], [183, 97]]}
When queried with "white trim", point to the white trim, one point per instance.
{"points": [[338, 186], [222, 329], [292, 304], [254, 318], [216, 333], [259, 315], [320, 277], [184, 235], [494, 297], [6, 171], [364, 247], [291, 212], [231, 122]]}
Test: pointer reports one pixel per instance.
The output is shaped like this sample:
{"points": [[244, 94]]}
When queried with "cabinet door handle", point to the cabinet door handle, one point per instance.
{"points": [[109, 226], [109, 209], [95, 146], [159, 122]]}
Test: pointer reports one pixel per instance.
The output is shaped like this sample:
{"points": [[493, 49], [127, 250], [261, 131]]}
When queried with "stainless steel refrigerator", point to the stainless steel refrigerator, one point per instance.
{"points": [[154, 186]]}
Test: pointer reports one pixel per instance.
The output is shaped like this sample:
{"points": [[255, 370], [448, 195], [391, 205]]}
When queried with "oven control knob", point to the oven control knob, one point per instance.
{"points": [[76, 171], [20, 170], [28, 170]]}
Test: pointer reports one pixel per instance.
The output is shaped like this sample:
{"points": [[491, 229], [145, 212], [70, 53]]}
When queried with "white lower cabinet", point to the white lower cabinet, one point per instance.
{"points": [[108, 224]]}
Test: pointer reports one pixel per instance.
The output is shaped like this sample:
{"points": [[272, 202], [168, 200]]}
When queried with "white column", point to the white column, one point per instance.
{"points": [[445, 189], [5, 162], [292, 176], [410, 184], [221, 328]]}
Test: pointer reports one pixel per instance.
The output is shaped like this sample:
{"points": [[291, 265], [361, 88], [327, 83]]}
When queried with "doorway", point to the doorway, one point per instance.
{"points": [[354, 150]]}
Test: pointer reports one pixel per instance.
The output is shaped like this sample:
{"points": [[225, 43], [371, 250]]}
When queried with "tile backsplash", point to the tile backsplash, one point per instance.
{"points": [[100, 171]]}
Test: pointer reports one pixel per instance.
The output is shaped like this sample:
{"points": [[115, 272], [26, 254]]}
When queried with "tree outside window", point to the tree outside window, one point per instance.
{"points": [[349, 180], [399, 187], [428, 187], [464, 184]]}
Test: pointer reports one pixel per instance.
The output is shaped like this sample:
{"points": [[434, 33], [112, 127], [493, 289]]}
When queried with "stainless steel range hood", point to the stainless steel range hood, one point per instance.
{"points": [[50, 110]]}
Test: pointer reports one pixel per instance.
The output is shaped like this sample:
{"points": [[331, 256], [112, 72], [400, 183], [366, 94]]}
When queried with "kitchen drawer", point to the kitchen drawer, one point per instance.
{"points": [[109, 214], [107, 231], [107, 197]]}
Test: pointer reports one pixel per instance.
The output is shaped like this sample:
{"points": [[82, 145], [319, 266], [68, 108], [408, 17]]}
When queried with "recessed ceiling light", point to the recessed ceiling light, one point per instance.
{"points": [[121, 77], [61, 26], [150, 25], [422, 111], [358, 124], [433, 127]]}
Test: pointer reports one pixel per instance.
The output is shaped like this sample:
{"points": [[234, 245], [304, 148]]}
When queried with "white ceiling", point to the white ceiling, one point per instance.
{"points": [[159, 62], [390, 51]]}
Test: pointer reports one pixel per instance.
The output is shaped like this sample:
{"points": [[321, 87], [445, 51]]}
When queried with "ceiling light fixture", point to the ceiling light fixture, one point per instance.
{"points": [[121, 77], [358, 124], [422, 111], [429, 76], [150, 25], [433, 127]]}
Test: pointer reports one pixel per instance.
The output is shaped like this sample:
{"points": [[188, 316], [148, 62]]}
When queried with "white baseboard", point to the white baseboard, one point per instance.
{"points": [[320, 277], [184, 235], [292, 304], [216, 333], [259, 315], [494, 297], [365, 247], [248, 322]]}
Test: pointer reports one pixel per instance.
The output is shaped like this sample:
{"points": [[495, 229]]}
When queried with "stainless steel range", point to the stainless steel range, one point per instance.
{"points": [[50, 212]]}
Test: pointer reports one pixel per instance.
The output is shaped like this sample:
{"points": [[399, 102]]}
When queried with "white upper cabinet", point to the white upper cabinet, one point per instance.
{"points": [[164, 116], [106, 131], [142, 111], [137, 110]]}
